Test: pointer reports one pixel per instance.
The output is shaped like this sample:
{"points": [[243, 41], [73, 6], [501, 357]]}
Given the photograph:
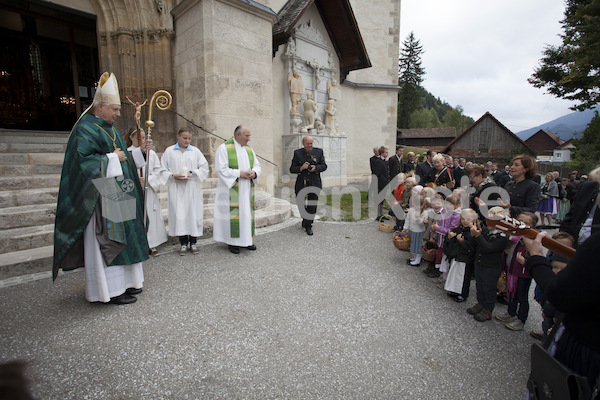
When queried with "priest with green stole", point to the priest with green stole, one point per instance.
{"points": [[99, 216], [238, 169]]}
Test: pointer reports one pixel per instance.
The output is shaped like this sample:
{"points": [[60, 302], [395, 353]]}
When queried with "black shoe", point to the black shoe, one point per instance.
{"points": [[133, 291], [309, 231], [501, 298], [434, 274], [460, 299], [452, 294], [251, 247], [234, 249], [123, 299]]}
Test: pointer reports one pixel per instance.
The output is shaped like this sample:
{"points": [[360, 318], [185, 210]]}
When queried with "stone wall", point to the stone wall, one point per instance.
{"points": [[223, 70]]}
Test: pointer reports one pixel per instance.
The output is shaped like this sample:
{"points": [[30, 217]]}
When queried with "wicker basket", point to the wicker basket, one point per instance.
{"points": [[429, 255], [402, 243], [385, 226]]}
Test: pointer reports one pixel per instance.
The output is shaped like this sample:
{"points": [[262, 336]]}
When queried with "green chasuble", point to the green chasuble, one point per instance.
{"points": [[85, 160], [234, 205]]}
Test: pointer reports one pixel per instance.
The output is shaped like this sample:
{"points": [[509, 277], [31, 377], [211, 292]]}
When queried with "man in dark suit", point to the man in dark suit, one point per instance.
{"points": [[395, 164], [577, 221], [459, 172], [308, 163], [410, 164], [372, 160], [426, 166]]}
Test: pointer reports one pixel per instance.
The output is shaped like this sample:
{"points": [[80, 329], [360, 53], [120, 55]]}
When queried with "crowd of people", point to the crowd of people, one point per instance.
{"points": [[444, 207]]}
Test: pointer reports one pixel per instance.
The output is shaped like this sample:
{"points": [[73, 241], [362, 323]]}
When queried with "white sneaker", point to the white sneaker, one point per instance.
{"points": [[183, 250], [516, 325], [194, 249], [506, 317]]}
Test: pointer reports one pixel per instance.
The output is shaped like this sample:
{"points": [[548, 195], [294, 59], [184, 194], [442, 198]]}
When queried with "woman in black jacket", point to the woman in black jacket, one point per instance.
{"points": [[523, 191]]}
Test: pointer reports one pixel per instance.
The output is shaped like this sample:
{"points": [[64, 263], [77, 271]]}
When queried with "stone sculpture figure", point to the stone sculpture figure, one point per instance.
{"points": [[296, 88], [330, 117], [290, 49], [310, 107], [333, 90]]}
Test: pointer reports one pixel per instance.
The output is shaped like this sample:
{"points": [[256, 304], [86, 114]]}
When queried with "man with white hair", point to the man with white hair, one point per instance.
{"points": [[238, 169], [99, 215]]}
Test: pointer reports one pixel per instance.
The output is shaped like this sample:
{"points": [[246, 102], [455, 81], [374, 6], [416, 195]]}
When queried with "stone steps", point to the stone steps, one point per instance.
{"points": [[29, 182], [30, 168], [38, 257], [33, 225], [26, 197], [23, 216]]}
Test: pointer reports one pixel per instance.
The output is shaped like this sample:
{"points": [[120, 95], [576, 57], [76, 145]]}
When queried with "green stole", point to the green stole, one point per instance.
{"points": [[234, 192]]}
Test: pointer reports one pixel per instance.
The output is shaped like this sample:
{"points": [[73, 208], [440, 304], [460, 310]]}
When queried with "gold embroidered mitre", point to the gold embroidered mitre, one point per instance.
{"points": [[107, 91]]}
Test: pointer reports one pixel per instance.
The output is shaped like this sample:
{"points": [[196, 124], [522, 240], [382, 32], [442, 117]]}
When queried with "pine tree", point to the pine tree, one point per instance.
{"points": [[410, 77]]}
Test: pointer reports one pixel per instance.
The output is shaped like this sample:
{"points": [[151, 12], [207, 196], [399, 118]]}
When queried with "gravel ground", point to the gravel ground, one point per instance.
{"points": [[338, 315]]}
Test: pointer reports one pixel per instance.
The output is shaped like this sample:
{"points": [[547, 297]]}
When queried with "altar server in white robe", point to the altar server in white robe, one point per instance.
{"points": [[238, 170], [187, 169], [157, 234]]}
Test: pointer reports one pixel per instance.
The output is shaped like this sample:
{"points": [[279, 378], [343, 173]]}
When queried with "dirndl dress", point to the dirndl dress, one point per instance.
{"points": [[547, 206]]}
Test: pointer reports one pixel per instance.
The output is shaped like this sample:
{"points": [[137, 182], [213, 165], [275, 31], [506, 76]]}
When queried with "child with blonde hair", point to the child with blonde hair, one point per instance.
{"points": [[460, 253], [415, 226], [450, 220]]}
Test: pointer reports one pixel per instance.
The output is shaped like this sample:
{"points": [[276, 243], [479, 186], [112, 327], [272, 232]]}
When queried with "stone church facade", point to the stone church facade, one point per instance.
{"points": [[228, 62]]}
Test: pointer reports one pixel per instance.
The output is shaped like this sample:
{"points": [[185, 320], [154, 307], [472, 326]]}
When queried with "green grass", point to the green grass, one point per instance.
{"points": [[345, 203]]}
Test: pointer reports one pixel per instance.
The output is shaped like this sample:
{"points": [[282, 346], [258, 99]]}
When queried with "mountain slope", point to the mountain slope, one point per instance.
{"points": [[565, 127]]}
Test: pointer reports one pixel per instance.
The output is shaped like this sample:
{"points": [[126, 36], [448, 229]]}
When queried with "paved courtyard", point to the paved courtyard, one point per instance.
{"points": [[338, 315]]}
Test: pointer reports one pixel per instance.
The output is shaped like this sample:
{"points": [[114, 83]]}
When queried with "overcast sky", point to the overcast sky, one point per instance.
{"points": [[479, 54]]}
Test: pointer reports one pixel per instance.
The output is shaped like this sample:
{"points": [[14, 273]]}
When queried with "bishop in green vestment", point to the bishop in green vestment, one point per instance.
{"points": [[103, 232]]}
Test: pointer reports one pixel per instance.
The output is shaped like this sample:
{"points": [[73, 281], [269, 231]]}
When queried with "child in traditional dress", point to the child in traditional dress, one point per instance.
{"points": [[518, 280], [460, 253], [157, 234], [450, 220], [187, 170], [489, 248], [415, 227], [430, 218]]}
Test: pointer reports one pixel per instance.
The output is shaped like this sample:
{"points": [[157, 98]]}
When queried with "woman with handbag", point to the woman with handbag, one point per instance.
{"points": [[574, 291]]}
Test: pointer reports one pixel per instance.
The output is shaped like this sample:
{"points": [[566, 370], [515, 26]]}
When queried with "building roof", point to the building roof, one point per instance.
{"points": [[487, 113], [543, 140], [341, 25], [422, 133]]}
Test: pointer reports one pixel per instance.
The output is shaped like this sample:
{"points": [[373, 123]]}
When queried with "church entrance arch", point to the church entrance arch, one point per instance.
{"points": [[48, 65]]}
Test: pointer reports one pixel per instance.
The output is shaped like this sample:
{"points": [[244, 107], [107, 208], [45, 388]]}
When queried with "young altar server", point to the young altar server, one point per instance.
{"points": [[187, 169], [157, 234]]}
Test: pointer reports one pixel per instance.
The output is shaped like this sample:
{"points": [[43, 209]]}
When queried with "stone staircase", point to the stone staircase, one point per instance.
{"points": [[30, 167]]}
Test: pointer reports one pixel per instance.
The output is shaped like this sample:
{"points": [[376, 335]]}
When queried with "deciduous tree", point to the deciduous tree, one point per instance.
{"points": [[572, 70]]}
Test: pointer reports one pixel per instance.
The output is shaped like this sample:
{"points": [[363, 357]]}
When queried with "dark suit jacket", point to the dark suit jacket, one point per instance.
{"points": [[380, 170], [458, 174], [423, 169], [305, 178], [580, 210], [408, 166], [395, 166]]}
